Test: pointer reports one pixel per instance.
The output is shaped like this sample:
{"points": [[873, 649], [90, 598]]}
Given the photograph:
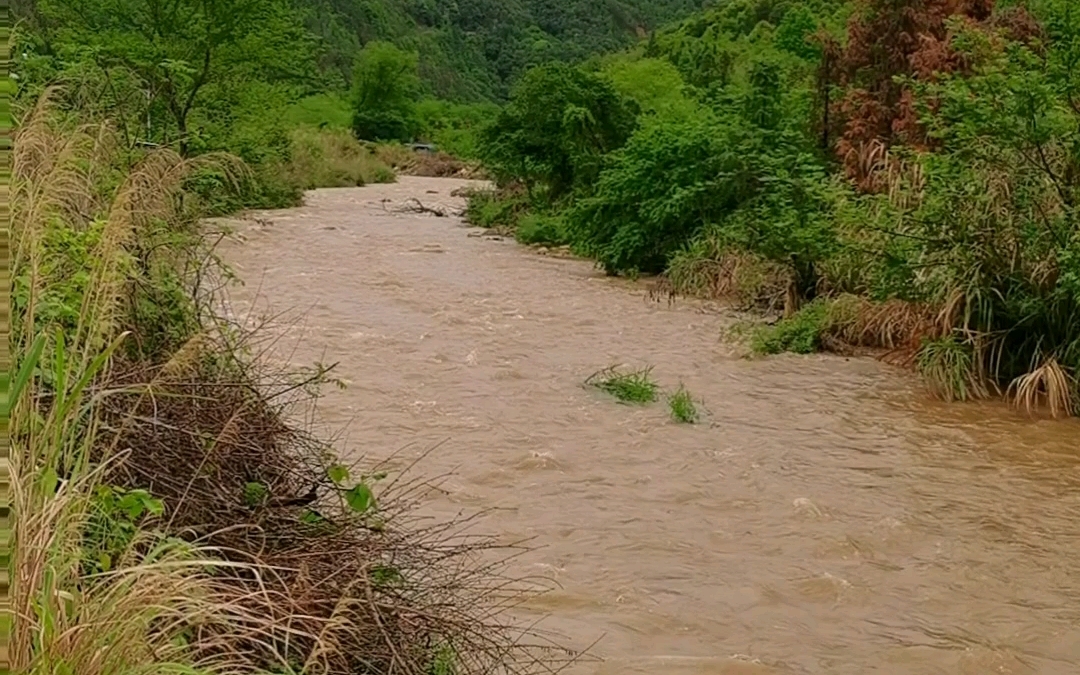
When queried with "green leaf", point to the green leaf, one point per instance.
{"points": [[25, 372], [360, 498], [60, 368], [385, 575], [155, 507], [49, 480], [133, 504], [255, 493], [338, 473]]}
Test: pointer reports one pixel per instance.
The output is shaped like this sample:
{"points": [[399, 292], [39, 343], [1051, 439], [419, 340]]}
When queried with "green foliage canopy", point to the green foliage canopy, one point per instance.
{"points": [[559, 123], [386, 88], [180, 51]]}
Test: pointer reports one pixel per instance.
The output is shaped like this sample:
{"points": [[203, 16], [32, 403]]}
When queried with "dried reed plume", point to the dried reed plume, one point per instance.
{"points": [[261, 559]]}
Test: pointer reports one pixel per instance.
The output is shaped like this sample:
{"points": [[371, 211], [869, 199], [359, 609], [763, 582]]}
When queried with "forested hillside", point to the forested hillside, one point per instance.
{"points": [[469, 50], [474, 49]]}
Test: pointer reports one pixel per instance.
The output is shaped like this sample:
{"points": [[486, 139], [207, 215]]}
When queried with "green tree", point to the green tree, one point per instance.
{"points": [[385, 92], [794, 31], [654, 84], [559, 124], [744, 175], [180, 49]]}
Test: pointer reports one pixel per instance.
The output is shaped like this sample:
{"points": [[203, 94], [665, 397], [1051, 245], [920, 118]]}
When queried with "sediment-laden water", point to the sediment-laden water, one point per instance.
{"points": [[827, 517]]}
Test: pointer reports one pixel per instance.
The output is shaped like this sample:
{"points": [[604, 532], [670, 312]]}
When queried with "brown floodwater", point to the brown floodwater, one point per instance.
{"points": [[827, 516]]}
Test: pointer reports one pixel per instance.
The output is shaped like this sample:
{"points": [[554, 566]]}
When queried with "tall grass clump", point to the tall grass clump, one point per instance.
{"points": [[683, 408], [628, 387], [498, 210], [535, 228], [74, 613], [800, 333], [307, 158], [169, 516]]}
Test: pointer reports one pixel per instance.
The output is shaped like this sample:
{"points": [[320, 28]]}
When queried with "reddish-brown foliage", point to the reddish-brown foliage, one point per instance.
{"points": [[888, 39]]}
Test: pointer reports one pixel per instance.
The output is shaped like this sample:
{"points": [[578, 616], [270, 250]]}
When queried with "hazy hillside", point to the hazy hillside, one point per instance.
{"points": [[473, 49]]}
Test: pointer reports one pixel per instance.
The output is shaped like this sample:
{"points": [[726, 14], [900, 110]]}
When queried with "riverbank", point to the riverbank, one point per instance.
{"points": [[172, 510]]}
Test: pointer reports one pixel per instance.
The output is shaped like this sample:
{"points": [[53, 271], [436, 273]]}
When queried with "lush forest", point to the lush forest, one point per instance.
{"points": [[891, 175], [894, 176], [472, 50], [280, 83]]}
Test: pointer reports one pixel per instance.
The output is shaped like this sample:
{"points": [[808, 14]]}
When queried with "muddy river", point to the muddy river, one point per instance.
{"points": [[826, 517]]}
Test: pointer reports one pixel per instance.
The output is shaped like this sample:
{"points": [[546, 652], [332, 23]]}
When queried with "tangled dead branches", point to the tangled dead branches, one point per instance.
{"points": [[414, 205], [348, 580]]}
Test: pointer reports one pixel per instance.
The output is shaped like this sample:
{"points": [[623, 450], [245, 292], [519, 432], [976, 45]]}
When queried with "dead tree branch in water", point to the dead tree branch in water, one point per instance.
{"points": [[414, 205]]}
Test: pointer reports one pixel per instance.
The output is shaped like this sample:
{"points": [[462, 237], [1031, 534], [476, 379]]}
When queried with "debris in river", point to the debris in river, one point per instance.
{"points": [[414, 205]]}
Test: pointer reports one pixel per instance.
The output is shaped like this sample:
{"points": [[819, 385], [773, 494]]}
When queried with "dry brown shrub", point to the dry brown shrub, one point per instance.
{"points": [[429, 165], [887, 41], [1048, 383], [748, 280], [339, 591], [896, 326]]}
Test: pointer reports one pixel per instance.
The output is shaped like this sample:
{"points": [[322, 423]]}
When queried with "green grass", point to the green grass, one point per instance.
{"points": [[535, 228], [800, 333], [444, 661], [631, 387], [322, 110], [683, 408], [332, 158], [951, 369]]}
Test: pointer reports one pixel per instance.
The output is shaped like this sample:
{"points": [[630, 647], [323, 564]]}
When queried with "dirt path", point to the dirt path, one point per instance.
{"points": [[827, 517]]}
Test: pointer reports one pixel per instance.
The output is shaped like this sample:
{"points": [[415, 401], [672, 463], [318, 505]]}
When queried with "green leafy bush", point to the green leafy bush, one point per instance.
{"points": [[557, 127], [654, 84], [746, 176], [320, 110], [654, 195], [800, 333], [116, 517], [497, 210], [455, 128], [537, 228]]}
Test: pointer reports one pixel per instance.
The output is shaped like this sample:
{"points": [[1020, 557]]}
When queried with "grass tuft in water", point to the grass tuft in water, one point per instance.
{"points": [[633, 387], [683, 408], [951, 368]]}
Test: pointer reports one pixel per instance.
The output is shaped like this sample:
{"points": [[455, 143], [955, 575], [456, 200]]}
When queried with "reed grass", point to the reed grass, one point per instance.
{"points": [[684, 409], [135, 617], [136, 546], [331, 157]]}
